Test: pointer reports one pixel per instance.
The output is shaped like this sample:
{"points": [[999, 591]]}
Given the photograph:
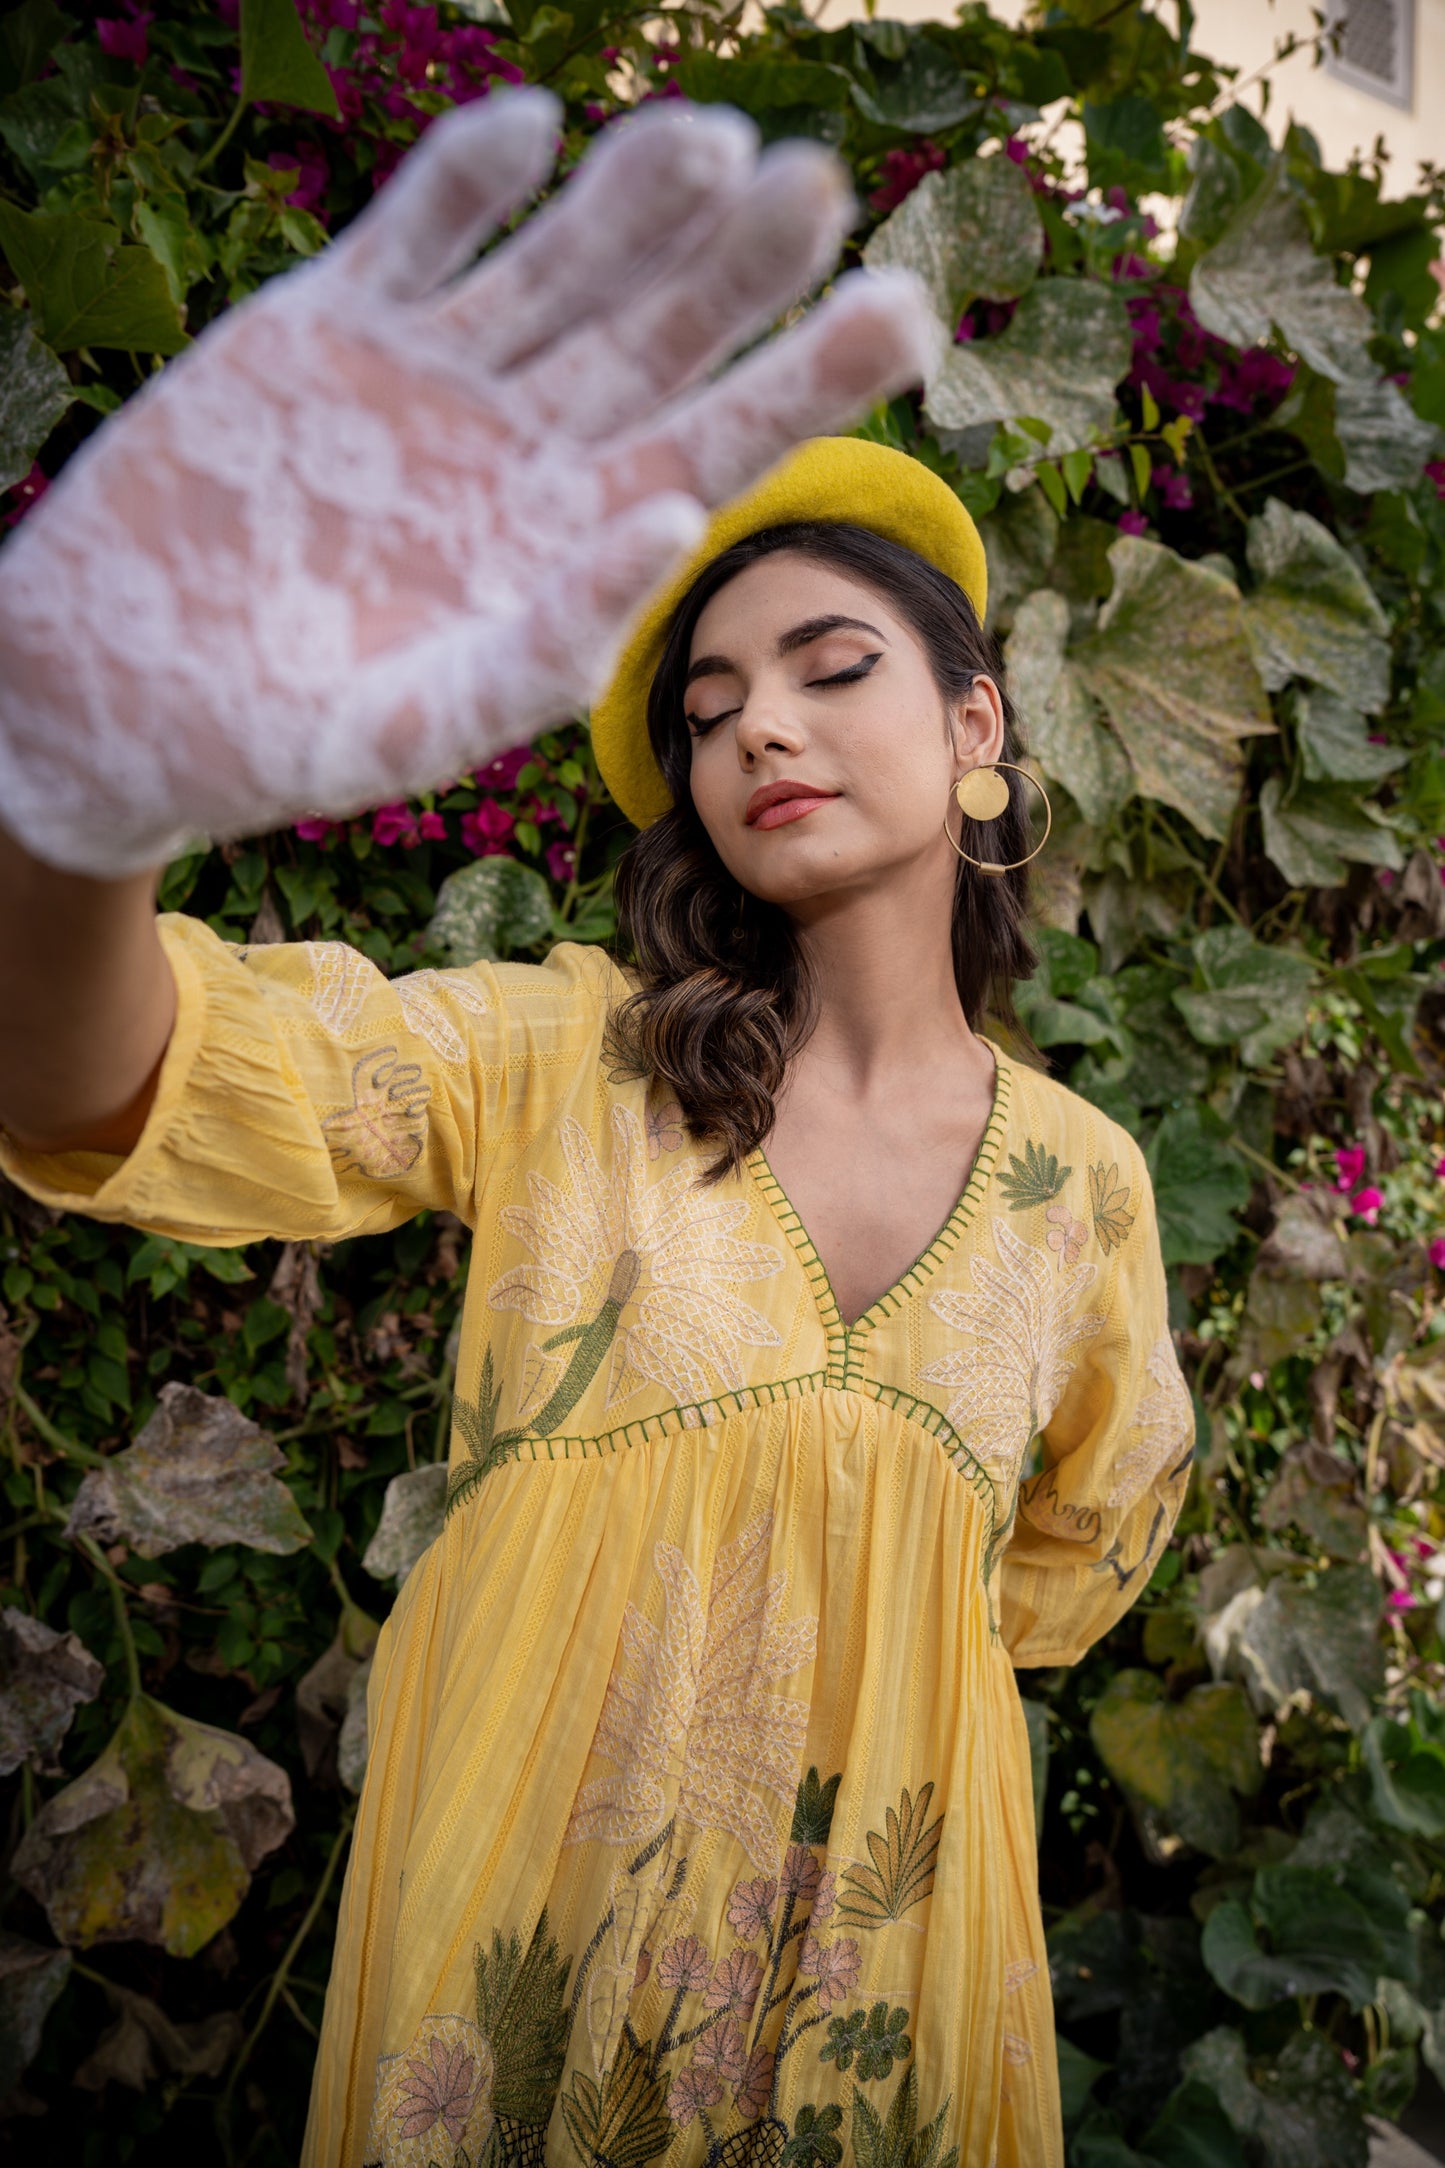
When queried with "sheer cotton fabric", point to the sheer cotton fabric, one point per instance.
{"points": [[698, 1814]]}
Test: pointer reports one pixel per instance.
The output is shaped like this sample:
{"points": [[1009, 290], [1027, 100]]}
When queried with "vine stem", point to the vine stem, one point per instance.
{"points": [[225, 135], [116, 1586], [280, 1976], [40, 1422]]}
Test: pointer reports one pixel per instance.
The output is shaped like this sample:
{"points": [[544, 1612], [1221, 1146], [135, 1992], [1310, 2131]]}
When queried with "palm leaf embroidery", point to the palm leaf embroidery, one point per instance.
{"points": [[1109, 1198], [1037, 1178], [904, 1855], [895, 2141], [522, 2009], [813, 1809], [622, 2121], [487, 1447]]}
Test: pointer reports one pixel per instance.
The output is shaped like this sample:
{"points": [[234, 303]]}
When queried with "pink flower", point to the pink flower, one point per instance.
{"points": [[1440, 1170], [392, 824], [316, 830], [723, 2049], [1016, 149], [750, 1906], [25, 494], [1349, 1165], [312, 179], [1066, 1234], [502, 773], [1400, 1599], [801, 1872], [755, 2088], [834, 1965], [1437, 1253], [442, 2090], [1173, 487], [901, 173], [126, 40], [684, 1964], [1132, 522], [431, 828], [561, 861], [735, 1983], [1366, 1205], [690, 2090], [1435, 471], [488, 830]]}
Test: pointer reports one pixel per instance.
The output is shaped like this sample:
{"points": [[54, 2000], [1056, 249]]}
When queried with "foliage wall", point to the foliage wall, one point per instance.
{"points": [[1195, 388]]}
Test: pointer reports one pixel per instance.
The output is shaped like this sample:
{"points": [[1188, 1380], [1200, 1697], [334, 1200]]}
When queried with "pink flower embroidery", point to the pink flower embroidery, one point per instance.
{"points": [[735, 1983], [684, 1964], [801, 1873], [756, 2084], [1066, 1234], [690, 2090], [750, 1906], [442, 2090], [834, 1965], [723, 2049], [665, 1130], [823, 1902]]}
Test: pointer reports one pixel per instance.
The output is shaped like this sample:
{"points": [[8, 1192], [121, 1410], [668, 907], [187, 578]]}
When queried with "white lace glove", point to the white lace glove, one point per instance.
{"points": [[383, 519]]}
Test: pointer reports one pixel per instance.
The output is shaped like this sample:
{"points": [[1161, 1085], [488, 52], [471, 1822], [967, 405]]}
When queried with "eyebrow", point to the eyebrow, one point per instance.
{"points": [[813, 628]]}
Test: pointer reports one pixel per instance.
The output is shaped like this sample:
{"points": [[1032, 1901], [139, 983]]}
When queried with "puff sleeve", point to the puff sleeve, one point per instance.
{"points": [[1095, 1515], [305, 1096]]}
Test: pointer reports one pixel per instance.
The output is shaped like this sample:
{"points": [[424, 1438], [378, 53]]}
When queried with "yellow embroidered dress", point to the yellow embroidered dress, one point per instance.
{"points": [[697, 1826]]}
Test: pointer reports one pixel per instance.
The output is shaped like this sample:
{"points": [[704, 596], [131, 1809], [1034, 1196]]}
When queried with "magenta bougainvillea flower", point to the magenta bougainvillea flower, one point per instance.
{"points": [[1349, 1165], [124, 37], [901, 172], [1132, 522], [1367, 1204], [488, 830]]}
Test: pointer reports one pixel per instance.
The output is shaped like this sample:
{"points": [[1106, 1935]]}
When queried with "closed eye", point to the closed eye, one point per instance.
{"points": [[700, 725], [851, 675]]}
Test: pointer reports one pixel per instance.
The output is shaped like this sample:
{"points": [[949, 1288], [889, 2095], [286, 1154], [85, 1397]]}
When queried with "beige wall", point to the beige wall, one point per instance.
{"points": [[1245, 33]]}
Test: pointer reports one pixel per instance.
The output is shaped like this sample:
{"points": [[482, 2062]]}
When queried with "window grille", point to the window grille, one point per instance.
{"points": [[1375, 48]]}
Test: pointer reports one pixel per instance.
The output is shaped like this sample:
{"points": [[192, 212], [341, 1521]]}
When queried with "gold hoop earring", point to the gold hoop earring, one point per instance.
{"points": [[982, 795]]}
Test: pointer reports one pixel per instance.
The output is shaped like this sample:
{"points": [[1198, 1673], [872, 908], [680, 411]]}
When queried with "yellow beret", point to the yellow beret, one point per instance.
{"points": [[837, 478]]}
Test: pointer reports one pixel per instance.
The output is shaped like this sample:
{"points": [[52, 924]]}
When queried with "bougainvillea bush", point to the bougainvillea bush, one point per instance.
{"points": [[1193, 384]]}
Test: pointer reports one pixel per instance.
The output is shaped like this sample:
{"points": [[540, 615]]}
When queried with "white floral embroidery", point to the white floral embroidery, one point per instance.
{"points": [[665, 1252], [1165, 1422], [341, 979], [423, 996], [694, 1725], [1023, 1319]]}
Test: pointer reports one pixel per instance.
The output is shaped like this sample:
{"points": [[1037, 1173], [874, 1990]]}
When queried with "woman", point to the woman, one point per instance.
{"points": [[815, 1371]]}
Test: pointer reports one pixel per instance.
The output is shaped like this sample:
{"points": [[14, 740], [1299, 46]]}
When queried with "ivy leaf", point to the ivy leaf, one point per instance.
{"points": [[1068, 731], [1252, 995], [157, 1840], [1171, 666], [88, 287], [331, 1732], [44, 1677], [926, 91], [1183, 1761], [277, 63], [1263, 271], [1301, 2110], [1058, 361], [28, 34], [31, 1977], [141, 2044], [1198, 1186], [183, 253], [412, 1513], [970, 231], [1320, 1941], [1313, 614], [488, 910], [1334, 742], [1314, 835], [1384, 441], [762, 85], [1324, 1640], [34, 392], [199, 1472]]}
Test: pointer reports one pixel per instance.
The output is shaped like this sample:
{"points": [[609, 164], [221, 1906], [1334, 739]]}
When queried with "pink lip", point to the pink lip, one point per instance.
{"points": [[777, 803]]}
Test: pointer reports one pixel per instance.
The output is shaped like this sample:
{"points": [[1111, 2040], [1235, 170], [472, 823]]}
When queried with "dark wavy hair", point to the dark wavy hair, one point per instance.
{"points": [[724, 998]]}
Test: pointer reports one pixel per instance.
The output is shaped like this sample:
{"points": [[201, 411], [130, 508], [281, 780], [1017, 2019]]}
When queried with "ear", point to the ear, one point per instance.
{"points": [[976, 726]]}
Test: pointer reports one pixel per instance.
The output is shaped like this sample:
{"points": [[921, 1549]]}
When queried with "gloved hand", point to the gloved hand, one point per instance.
{"points": [[392, 513]]}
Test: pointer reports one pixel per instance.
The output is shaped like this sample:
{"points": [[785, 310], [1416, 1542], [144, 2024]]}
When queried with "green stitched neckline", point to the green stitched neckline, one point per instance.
{"points": [[841, 1336]]}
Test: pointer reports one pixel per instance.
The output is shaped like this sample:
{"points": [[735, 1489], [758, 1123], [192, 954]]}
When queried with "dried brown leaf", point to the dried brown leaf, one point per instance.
{"points": [[142, 2044], [44, 1676], [31, 1978]]}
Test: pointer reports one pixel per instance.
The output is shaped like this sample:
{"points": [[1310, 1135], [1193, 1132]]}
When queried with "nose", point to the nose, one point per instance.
{"points": [[766, 726]]}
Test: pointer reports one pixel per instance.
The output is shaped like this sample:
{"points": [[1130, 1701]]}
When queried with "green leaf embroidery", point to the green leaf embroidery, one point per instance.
{"points": [[622, 2121], [1037, 1178], [1109, 1198], [896, 2141], [487, 1446], [904, 1857], [522, 2009], [813, 1811]]}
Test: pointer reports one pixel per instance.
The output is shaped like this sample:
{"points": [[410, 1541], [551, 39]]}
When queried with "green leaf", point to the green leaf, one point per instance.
{"points": [[1052, 484], [1059, 359], [44, 1677], [1319, 1940], [1068, 731], [277, 64], [1130, 126], [199, 1472], [412, 1513], [1406, 1762], [1313, 614], [1172, 668], [761, 85], [183, 254], [29, 33], [1334, 742], [926, 91], [971, 231], [1253, 995], [1199, 1184], [34, 392], [87, 287], [1384, 441], [1263, 271], [156, 1841], [1182, 1760], [1323, 1639], [1299, 2110], [1315, 835], [1078, 2075], [31, 1978], [488, 910]]}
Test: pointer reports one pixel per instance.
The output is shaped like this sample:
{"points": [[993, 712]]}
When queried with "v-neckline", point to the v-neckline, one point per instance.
{"points": [[946, 1240]]}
